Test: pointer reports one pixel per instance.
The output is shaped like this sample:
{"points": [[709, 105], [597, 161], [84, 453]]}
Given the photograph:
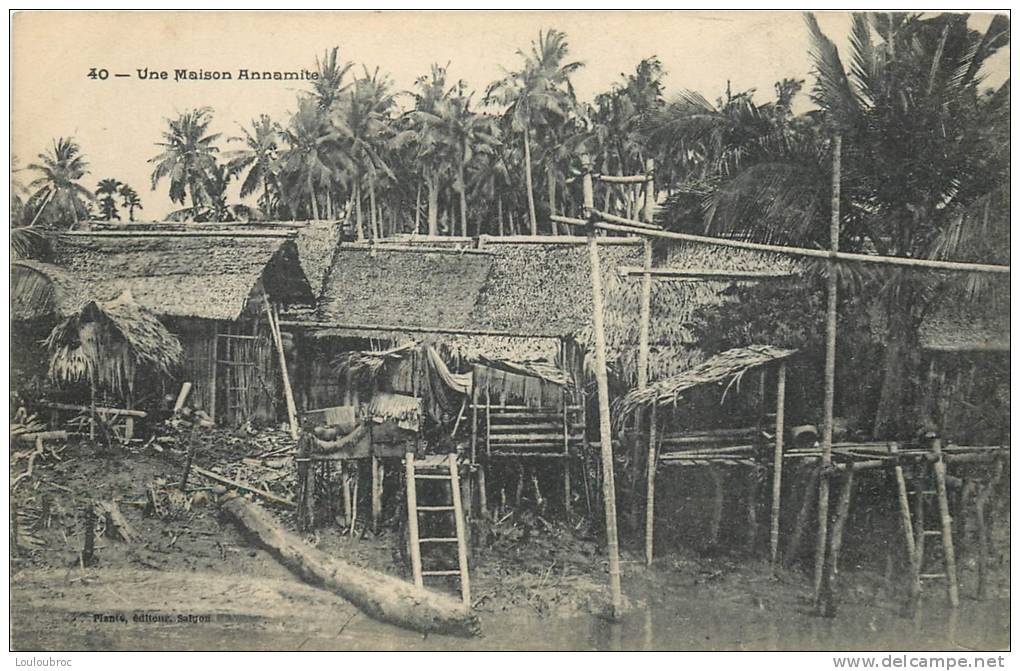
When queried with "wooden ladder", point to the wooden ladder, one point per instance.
{"points": [[437, 467], [917, 536]]}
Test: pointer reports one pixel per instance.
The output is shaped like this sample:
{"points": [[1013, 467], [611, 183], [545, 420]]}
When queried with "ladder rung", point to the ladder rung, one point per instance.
{"points": [[424, 476], [932, 532], [932, 576], [432, 509], [437, 540], [437, 573]]}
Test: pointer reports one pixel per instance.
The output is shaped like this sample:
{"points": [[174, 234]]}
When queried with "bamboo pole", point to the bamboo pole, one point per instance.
{"points": [[777, 464], [948, 549], [908, 527], [821, 590], [653, 427], [700, 274], [458, 519], [377, 492], [836, 540], [640, 228], [412, 518], [602, 378], [288, 393]]}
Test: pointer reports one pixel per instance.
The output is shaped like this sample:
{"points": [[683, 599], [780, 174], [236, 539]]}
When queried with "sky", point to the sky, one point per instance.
{"points": [[117, 121]]}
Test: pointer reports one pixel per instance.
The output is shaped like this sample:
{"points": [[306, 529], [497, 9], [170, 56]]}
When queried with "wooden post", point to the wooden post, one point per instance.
{"points": [[653, 429], [412, 518], [830, 374], [807, 502], [602, 378], [566, 453], [948, 549], [288, 393], [777, 464], [836, 540], [377, 492]]}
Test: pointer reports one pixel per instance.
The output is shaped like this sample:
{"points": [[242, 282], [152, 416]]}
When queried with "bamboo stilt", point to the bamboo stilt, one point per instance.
{"points": [[836, 541], [800, 523], [458, 514], [948, 549], [908, 532], [605, 428], [830, 373], [652, 466], [777, 464]]}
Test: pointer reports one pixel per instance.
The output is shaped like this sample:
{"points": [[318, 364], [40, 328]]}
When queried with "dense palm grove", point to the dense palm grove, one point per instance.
{"points": [[925, 160]]}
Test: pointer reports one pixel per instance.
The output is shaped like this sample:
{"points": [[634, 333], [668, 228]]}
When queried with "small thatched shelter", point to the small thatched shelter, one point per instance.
{"points": [[213, 287], [108, 345]]}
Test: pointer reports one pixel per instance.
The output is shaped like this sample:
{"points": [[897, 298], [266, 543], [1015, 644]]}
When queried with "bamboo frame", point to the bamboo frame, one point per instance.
{"points": [[700, 274], [605, 428], [288, 393], [777, 464]]}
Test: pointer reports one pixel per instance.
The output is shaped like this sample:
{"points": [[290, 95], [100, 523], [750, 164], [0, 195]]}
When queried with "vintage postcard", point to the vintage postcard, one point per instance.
{"points": [[517, 330]]}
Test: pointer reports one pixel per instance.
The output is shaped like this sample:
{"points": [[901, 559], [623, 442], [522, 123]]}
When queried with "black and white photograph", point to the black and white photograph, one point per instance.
{"points": [[510, 330]]}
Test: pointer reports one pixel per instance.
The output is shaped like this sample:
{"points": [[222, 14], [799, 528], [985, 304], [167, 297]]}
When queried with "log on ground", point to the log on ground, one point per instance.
{"points": [[380, 596]]}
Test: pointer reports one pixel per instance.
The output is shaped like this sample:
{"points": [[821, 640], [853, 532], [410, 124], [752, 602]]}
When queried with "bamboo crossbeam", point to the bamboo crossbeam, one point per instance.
{"points": [[573, 221], [621, 179], [699, 274], [314, 324], [490, 240], [639, 228], [182, 234], [390, 247]]}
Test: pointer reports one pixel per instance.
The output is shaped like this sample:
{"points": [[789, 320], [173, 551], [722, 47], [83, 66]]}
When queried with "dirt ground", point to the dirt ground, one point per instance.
{"points": [[536, 582]]}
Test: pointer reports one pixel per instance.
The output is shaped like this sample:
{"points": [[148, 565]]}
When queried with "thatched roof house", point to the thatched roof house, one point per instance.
{"points": [[206, 276]]}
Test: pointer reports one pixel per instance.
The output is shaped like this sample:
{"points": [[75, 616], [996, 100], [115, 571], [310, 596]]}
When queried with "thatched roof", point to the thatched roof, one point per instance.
{"points": [[108, 343], [316, 244], [727, 366], [40, 290], [401, 287], [185, 276]]}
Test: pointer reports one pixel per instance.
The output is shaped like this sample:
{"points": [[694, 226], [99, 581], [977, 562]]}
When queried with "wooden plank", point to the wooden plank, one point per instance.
{"points": [[98, 409]]}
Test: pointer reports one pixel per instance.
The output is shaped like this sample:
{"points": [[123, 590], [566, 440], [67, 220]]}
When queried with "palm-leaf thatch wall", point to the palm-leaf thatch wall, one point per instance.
{"points": [[728, 366], [106, 345]]}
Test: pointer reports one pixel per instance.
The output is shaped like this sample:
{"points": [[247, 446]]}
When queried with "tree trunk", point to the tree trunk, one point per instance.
{"points": [[357, 212], [462, 188], [311, 196], [371, 205], [433, 206], [380, 596], [499, 214], [417, 210], [528, 183], [550, 176], [895, 416]]}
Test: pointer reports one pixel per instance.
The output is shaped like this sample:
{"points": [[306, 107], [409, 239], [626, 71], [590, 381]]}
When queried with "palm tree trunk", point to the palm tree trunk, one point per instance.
{"points": [[528, 183], [499, 214], [265, 194], [357, 211], [417, 210], [462, 188], [311, 196], [895, 416], [433, 206], [371, 204], [550, 176]]}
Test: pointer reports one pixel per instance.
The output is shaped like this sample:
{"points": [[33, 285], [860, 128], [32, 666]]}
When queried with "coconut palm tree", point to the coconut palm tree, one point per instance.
{"points": [[130, 200], [105, 192], [57, 187], [539, 93], [329, 85], [307, 163], [923, 162], [259, 157], [362, 126], [431, 151], [188, 154]]}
